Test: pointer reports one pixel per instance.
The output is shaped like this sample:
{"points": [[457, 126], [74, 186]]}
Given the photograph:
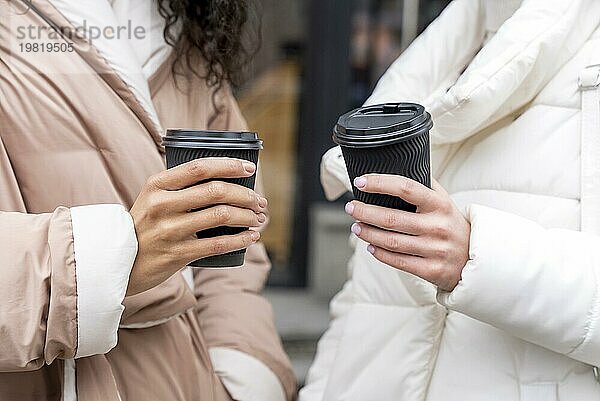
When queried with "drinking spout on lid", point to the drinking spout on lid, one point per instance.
{"points": [[390, 108]]}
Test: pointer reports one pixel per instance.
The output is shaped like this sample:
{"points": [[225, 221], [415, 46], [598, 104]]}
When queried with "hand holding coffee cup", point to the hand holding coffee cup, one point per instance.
{"points": [[407, 224], [183, 145], [166, 229], [432, 243]]}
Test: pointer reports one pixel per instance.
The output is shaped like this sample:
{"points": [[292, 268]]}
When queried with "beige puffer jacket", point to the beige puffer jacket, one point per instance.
{"points": [[77, 129]]}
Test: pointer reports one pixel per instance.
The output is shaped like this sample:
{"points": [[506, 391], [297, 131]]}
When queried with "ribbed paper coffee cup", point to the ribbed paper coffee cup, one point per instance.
{"points": [[390, 138], [183, 145]]}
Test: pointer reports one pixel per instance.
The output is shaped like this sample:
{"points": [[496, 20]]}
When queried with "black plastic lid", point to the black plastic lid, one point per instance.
{"points": [[212, 139], [381, 125]]}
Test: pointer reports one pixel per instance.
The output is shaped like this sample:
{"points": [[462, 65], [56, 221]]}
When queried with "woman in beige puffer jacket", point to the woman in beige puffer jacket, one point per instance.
{"points": [[81, 222]]}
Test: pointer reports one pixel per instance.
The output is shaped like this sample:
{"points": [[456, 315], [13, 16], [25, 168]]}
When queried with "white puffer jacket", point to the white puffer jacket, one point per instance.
{"points": [[514, 149]]}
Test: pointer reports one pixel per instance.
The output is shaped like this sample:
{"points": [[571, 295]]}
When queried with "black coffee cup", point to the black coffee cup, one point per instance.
{"points": [[388, 138], [184, 145]]}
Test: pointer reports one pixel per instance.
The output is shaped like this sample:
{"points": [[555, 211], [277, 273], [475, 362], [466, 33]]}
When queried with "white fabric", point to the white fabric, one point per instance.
{"points": [[119, 52], [152, 50], [497, 281], [334, 177], [188, 275], [251, 380], [523, 323], [105, 248], [69, 381], [539, 392], [497, 12], [589, 79]]}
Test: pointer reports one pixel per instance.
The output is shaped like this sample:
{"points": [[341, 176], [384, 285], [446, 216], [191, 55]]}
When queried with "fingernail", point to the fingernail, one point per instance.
{"points": [[349, 208], [249, 167], [360, 182], [255, 236], [355, 229], [261, 217], [262, 202], [371, 249]]}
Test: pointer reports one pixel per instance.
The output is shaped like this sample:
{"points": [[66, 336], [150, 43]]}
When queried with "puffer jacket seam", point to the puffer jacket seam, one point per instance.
{"points": [[153, 323], [435, 351], [592, 316], [451, 77], [514, 192], [377, 303], [554, 106], [468, 96]]}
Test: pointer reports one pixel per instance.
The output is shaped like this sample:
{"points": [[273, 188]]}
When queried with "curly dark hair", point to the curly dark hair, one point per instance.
{"points": [[215, 30]]}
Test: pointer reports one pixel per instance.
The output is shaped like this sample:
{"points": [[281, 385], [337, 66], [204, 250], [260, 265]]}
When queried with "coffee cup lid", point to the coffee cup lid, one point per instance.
{"points": [[381, 125], [212, 139]]}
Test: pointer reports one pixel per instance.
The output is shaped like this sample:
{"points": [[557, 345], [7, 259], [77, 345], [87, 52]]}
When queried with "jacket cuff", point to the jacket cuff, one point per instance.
{"points": [[520, 274], [334, 177], [105, 247], [245, 377]]}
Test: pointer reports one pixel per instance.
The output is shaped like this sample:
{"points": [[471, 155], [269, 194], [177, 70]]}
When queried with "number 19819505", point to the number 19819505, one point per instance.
{"points": [[45, 47]]}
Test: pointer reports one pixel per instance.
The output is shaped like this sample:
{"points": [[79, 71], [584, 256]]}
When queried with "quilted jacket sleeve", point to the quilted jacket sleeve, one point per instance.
{"points": [[542, 285], [38, 313], [56, 268], [63, 280]]}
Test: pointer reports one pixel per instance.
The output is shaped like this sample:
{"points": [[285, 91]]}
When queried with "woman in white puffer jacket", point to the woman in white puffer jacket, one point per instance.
{"points": [[513, 91]]}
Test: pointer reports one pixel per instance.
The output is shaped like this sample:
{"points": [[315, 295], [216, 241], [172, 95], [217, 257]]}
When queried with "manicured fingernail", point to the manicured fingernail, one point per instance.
{"points": [[261, 217], [255, 236], [249, 167], [360, 182], [262, 202], [349, 208], [371, 249], [355, 228]]}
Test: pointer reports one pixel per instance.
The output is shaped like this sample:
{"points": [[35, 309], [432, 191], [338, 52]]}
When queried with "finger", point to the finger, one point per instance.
{"points": [[199, 170], [414, 265], [396, 185], [217, 193], [202, 248], [391, 241], [219, 216], [388, 219]]}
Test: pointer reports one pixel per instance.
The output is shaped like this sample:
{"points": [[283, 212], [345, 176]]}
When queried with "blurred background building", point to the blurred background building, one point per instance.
{"points": [[318, 59]]}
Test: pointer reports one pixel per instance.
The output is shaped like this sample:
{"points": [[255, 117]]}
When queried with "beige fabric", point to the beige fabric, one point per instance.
{"points": [[46, 321], [76, 139]]}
